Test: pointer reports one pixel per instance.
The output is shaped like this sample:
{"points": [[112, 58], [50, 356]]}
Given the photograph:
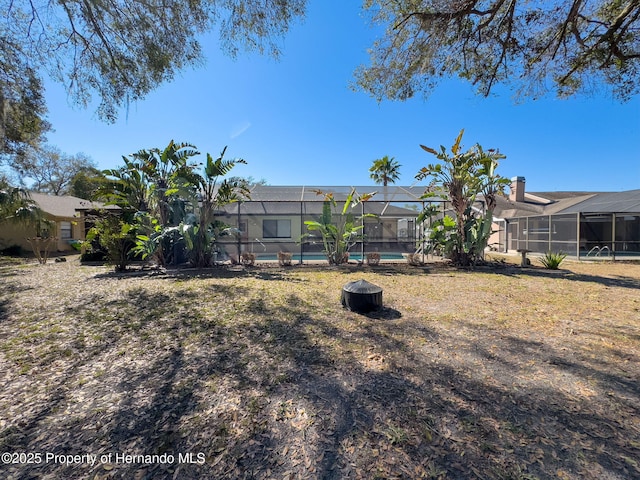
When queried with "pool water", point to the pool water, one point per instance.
{"points": [[320, 256]]}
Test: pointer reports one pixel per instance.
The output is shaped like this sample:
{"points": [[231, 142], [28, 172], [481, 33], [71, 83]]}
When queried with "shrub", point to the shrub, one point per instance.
{"points": [[553, 260], [117, 238]]}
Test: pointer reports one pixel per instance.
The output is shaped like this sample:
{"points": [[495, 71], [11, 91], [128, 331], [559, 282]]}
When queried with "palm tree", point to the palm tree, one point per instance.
{"points": [[385, 170]]}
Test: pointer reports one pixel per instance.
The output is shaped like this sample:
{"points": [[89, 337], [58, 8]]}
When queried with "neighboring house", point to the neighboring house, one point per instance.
{"points": [[581, 224], [70, 219], [273, 220]]}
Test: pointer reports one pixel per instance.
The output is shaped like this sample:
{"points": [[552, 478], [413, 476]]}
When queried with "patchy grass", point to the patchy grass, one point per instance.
{"points": [[500, 373]]}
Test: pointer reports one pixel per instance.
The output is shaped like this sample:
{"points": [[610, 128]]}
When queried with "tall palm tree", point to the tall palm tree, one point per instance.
{"points": [[385, 170]]}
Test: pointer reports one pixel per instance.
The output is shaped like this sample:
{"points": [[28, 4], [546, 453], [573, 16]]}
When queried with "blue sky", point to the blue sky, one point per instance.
{"points": [[296, 121]]}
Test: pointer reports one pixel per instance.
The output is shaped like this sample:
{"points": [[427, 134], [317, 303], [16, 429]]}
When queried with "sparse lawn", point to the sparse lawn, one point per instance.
{"points": [[491, 374]]}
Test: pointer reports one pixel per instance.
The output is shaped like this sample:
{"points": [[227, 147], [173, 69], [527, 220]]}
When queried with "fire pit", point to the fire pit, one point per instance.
{"points": [[361, 296]]}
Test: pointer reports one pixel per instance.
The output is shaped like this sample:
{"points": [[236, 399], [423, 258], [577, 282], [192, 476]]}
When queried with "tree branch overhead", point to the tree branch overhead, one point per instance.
{"points": [[533, 46]]}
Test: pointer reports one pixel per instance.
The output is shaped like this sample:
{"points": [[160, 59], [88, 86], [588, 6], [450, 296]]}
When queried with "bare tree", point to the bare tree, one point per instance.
{"points": [[52, 170]]}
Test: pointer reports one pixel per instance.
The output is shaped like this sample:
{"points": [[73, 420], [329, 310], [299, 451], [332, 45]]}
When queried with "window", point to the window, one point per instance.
{"points": [[65, 230], [276, 228]]}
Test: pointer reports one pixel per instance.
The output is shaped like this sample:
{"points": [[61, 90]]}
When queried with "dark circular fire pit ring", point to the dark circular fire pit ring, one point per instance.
{"points": [[361, 296]]}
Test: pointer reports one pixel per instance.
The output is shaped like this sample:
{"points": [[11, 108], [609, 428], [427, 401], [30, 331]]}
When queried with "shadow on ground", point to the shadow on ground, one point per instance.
{"points": [[288, 391], [608, 281]]}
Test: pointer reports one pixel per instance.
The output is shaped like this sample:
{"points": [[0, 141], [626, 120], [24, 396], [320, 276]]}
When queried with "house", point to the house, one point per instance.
{"points": [[69, 217], [580, 224]]}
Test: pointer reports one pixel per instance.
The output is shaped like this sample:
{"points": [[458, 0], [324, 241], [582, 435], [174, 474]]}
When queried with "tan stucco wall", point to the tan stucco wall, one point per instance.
{"points": [[17, 234]]}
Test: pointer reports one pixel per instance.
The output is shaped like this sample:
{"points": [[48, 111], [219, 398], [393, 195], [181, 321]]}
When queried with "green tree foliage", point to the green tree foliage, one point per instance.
{"points": [[86, 183], [17, 206], [461, 177], [385, 170], [210, 192], [22, 105], [537, 45], [167, 171], [119, 50], [50, 169], [167, 200], [152, 185], [340, 228], [127, 187]]}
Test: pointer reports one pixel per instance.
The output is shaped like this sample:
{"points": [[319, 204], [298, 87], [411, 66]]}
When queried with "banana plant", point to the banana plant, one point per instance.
{"points": [[127, 187], [152, 183], [462, 177], [154, 241], [339, 236], [209, 193], [478, 230], [167, 171]]}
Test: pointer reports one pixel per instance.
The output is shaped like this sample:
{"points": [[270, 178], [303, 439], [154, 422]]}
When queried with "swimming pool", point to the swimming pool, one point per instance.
{"points": [[357, 257]]}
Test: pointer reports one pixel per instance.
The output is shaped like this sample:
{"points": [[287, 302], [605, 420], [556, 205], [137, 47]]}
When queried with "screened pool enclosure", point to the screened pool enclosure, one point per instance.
{"points": [[585, 235], [273, 221], [606, 226]]}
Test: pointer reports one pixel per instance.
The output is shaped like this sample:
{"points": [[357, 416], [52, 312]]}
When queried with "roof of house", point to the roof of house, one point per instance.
{"points": [[298, 193], [65, 206], [393, 200], [610, 202], [267, 207], [538, 204], [552, 203]]}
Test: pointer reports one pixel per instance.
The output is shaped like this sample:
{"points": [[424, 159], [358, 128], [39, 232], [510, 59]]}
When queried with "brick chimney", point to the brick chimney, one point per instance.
{"points": [[517, 189]]}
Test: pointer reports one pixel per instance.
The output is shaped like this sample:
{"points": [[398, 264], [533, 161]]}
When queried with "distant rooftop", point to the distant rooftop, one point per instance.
{"points": [[551, 203], [65, 205], [610, 202]]}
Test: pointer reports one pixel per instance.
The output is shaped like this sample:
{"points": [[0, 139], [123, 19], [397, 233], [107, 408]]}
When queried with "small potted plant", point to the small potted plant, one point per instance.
{"points": [[284, 259], [413, 259], [248, 259], [373, 258]]}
